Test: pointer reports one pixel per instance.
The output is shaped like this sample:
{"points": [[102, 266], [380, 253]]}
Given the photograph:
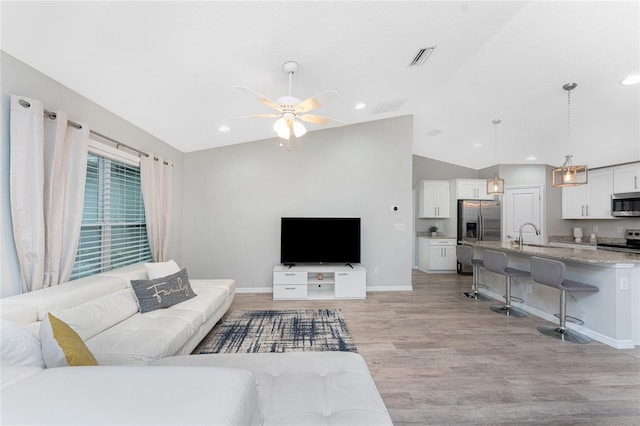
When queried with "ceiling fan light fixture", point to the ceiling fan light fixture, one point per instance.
{"points": [[281, 127], [298, 129], [290, 111]]}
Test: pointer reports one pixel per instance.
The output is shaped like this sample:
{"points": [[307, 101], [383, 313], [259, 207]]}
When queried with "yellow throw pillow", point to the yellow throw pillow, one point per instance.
{"points": [[62, 346]]}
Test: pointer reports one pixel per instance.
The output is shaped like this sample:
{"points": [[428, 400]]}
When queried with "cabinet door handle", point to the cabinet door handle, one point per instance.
{"points": [[635, 182], [290, 274], [343, 273], [587, 210], [289, 288], [435, 211], [582, 211]]}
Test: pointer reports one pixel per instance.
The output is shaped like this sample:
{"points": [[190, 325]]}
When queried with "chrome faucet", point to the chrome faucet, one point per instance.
{"points": [[520, 232]]}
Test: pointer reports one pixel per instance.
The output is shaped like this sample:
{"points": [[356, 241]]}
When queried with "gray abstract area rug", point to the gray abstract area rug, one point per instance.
{"points": [[279, 331]]}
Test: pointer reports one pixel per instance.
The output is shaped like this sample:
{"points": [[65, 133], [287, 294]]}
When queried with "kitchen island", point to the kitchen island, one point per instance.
{"points": [[611, 316]]}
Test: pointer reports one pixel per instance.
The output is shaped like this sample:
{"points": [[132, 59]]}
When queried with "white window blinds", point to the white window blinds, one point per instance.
{"points": [[113, 232]]}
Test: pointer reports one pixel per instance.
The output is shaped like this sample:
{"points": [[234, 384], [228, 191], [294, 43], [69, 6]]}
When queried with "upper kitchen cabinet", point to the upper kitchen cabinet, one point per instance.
{"points": [[626, 178], [590, 201], [434, 199], [471, 189]]}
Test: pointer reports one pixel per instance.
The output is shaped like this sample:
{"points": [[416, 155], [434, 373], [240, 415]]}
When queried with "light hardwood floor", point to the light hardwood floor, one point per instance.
{"points": [[440, 358]]}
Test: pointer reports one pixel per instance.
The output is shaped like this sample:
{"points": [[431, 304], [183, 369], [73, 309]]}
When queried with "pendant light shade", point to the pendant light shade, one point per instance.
{"points": [[568, 174], [495, 185], [288, 124]]}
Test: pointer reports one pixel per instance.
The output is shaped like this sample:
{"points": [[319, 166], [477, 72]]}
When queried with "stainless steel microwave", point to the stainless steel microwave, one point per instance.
{"points": [[627, 204]]}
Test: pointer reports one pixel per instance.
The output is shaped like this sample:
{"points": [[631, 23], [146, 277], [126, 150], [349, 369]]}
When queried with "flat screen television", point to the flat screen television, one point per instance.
{"points": [[320, 240]]}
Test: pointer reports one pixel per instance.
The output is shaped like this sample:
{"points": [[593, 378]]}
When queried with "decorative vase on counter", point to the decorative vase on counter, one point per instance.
{"points": [[577, 233]]}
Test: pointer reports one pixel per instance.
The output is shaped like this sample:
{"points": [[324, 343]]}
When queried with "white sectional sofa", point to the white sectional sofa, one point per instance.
{"points": [[103, 310], [145, 378]]}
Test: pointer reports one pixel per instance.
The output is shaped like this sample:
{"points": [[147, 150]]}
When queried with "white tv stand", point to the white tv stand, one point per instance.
{"points": [[307, 282]]}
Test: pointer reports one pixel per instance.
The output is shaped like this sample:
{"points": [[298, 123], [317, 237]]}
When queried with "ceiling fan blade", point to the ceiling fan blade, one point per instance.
{"points": [[255, 116], [316, 101], [319, 119], [268, 102]]}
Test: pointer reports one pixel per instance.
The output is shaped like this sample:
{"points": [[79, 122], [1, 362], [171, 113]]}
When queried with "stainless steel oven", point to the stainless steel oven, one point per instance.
{"points": [[627, 204]]}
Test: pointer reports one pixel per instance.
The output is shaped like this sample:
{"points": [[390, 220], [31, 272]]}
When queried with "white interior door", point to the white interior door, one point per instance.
{"points": [[522, 205]]}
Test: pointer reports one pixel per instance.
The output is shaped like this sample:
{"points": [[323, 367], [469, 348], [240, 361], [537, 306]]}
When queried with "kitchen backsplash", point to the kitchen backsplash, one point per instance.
{"points": [[605, 228]]}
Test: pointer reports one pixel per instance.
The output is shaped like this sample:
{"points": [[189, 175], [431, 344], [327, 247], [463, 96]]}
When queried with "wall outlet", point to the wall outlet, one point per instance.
{"points": [[529, 288], [376, 271], [619, 230], [399, 226], [595, 228], [624, 283]]}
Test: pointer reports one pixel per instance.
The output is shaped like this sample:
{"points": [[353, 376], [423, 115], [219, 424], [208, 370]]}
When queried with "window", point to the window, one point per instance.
{"points": [[113, 232]]}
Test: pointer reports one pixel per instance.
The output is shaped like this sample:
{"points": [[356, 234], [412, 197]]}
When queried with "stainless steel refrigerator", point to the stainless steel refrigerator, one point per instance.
{"points": [[478, 221]]}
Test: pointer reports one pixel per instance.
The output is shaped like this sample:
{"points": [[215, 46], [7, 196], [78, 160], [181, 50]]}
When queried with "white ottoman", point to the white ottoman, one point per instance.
{"points": [[305, 388]]}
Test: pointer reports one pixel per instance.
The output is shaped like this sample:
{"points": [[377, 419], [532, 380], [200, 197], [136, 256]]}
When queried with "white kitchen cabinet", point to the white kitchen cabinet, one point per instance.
{"points": [[626, 178], [589, 201], [437, 255], [471, 189], [433, 199]]}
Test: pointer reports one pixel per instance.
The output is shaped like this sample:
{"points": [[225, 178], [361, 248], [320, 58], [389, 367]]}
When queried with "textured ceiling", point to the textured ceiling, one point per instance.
{"points": [[170, 68]]}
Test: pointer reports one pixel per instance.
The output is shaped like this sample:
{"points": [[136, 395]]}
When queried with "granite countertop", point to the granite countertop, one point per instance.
{"points": [[562, 253]]}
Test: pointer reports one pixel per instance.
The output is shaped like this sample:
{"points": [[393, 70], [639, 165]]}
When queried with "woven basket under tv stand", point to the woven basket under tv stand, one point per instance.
{"points": [[304, 282]]}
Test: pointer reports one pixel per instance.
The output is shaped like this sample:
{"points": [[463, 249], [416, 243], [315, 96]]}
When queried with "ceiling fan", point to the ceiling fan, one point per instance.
{"points": [[291, 110]]}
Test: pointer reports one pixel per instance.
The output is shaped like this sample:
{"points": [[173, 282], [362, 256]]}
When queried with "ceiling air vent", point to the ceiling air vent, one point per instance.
{"points": [[422, 56], [388, 106]]}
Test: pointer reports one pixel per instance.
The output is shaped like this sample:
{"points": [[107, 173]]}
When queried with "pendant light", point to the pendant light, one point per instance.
{"points": [[495, 185], [568, 174]]}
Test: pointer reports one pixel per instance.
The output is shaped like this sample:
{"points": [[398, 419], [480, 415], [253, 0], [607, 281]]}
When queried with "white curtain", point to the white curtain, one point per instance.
{"points": [[156, 185], [48, 164]]}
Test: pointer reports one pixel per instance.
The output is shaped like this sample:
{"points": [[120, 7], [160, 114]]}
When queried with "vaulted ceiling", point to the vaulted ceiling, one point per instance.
{"points": [[170, 68]]}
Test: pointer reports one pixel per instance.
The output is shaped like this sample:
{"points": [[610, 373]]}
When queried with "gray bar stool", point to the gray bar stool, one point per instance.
{"points": [[465, 256], [496, 261], [552, 273]]}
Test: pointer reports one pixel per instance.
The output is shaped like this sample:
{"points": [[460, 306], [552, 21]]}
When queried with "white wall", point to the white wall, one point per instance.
{"points": [[522, 175], [235, 196], [21, 79]]}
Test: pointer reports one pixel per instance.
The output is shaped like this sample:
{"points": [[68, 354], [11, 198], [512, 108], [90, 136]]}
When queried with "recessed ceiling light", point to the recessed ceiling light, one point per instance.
{"points": [[477, 145], [224, 129], [360, 105], [631, 80], [531, 158]]}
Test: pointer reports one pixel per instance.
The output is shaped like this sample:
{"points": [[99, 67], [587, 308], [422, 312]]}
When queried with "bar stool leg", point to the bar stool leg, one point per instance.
{"points": [[562, 332], [475, 294], [507, 309]]}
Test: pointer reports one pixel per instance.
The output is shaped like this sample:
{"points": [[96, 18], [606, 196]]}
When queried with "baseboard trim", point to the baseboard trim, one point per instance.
{"points": [[614, 343], [254, 290], [389, 288], [369, 289]]}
